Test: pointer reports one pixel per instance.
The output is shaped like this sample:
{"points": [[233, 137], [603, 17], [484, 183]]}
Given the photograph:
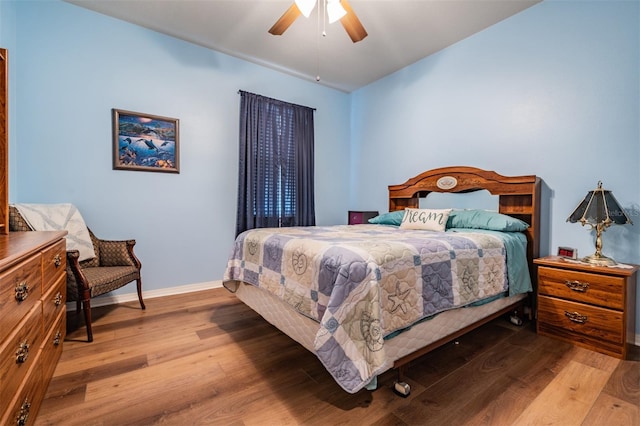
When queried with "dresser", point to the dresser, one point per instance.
{"points": [[589, 306], [32, 319]]}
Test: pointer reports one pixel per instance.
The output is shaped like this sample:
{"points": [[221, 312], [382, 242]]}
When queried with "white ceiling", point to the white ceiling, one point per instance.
{"points": [[401, 32]]}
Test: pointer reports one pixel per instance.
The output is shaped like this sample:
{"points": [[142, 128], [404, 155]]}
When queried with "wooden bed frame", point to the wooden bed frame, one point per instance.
{"points": [[519, 196]]}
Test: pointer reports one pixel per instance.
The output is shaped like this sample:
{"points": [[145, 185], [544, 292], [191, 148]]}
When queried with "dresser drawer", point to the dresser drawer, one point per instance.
{"points": [[18, 354], [595, 289], [53, 302], [52, 347], [54, 264], [19, 291], [26, 402], [579, 319]]}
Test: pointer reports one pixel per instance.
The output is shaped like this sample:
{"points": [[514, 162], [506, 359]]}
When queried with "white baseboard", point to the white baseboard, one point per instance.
{"points": [[110, 299]]}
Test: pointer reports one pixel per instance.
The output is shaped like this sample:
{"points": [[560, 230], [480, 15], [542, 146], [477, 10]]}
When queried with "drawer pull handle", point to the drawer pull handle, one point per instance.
{"points": [[56, 339], [22, 291], [577, 286], [22, 353], [23, 415], [57, 261], [58, 299], [576, 317]]}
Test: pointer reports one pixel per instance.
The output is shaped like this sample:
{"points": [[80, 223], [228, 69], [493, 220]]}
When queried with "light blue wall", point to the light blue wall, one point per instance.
{"points": [[553, 91], [72, 66]]}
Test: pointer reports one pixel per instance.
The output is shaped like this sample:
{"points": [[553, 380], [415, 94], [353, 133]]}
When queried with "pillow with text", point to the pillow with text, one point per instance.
{"points": [[426, 219]]}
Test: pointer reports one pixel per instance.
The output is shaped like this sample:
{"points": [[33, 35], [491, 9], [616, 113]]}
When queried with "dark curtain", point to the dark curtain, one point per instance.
{"points": [[275, 182]]}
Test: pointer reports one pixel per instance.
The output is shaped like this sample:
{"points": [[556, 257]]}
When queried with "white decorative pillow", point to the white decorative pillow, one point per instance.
{"points": [[427, 219]]}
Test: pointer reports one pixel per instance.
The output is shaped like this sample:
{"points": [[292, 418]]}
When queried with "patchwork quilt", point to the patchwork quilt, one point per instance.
{"points": [[363, 282]]}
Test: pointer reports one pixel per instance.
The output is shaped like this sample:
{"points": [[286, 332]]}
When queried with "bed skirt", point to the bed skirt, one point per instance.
{"points": [[303, 329]]}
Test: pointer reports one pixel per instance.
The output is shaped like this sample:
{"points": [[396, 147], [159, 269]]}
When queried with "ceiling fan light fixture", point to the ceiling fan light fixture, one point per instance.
{"points": [[306, 6], [335, 11]]}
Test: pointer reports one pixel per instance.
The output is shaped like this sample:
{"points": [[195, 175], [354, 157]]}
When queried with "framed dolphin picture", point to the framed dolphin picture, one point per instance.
{"points": [[145, 142]]}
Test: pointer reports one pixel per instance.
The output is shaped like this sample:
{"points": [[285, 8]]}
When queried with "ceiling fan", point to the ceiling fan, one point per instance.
{"points": [[336, 9]]}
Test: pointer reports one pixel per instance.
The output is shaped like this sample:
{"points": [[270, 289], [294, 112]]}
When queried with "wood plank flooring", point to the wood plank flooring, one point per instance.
{"points": [[204, 358]]}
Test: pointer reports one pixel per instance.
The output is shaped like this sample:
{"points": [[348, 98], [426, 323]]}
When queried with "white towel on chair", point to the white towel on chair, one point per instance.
{"points": [[59, 217]]}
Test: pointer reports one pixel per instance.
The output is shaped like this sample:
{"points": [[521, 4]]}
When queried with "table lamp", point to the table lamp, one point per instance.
{"points": [[599, 209]]}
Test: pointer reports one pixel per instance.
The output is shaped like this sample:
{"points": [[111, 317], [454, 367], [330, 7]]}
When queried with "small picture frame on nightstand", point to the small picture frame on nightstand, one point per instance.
{"points": [[568, 252]]}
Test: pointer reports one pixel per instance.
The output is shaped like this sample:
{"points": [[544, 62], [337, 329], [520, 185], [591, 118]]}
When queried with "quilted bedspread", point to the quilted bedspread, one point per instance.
{"points": [[363, 282]]}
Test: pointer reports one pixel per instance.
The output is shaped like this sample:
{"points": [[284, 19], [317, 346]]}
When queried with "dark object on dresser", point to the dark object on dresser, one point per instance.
{"points": [[360, 217], [114, 266]]}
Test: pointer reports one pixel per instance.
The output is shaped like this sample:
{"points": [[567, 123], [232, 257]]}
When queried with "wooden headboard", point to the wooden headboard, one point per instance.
{"points": [[519, 196]]}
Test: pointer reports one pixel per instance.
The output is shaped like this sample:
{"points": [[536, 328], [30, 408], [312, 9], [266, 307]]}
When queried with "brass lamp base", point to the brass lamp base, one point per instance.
{"points": [[599, 260]]}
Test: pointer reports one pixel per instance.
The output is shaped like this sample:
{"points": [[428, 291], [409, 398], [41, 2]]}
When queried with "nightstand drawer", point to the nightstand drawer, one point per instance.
{"points": [[595, 289], [578, 319]]}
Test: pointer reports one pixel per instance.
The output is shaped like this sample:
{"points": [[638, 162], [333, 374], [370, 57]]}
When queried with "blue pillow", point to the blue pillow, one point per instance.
{"points": [[485, 219], [391, 218]]}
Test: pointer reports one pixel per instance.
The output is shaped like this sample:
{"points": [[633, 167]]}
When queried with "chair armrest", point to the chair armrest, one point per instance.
{"points": [[117, 253], [74, 270], [72, 257]]}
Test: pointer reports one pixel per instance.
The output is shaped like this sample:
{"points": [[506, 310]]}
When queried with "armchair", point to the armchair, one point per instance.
{"points": [[115, 265]]}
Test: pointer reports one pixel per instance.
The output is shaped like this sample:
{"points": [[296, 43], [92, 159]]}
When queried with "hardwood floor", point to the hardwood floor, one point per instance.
{"points": [[204, 358]]}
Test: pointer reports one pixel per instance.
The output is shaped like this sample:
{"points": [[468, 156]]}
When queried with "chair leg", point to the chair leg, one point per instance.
{"points": [[139, 285], [86, 305]]}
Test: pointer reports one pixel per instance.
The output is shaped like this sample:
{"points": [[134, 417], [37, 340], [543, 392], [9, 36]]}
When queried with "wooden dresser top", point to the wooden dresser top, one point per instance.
{"points": [[17, 245]]}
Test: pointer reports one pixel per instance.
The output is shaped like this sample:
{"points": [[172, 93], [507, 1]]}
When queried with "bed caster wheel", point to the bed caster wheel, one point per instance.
{"points": [[515, 320], [401, 388]]}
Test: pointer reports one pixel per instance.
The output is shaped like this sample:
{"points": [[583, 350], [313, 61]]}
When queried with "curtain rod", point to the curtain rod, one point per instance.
{"points": [[275, 100]]}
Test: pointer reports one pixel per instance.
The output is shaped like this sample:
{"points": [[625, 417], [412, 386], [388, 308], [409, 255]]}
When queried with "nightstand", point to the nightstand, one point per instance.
{"points": [[360, 217], [589, 306]]}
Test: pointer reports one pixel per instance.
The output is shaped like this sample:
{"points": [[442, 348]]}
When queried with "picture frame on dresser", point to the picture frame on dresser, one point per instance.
{"points": [[145, 142]]}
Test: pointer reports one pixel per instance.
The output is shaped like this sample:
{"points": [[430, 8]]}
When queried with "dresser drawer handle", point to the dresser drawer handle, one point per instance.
{"points": [[56, 339], [576, 317], [577, 286], [58, 299], [57, 261], [23, 415], [22, 353], [22, 291]]}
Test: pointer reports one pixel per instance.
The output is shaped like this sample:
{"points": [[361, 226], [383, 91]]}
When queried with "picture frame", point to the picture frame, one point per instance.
{"points": [[145, 142]]}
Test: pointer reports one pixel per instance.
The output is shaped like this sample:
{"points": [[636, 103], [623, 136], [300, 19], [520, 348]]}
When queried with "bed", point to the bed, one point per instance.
{"points": [[368, 298]]}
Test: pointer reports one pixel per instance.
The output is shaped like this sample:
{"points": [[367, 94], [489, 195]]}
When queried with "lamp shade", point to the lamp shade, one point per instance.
{"points": [[599, 206], [599, 209]]}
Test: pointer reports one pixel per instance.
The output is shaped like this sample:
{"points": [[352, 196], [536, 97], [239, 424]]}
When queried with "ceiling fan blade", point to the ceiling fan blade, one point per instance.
{"points": [[285, 20], [352, 24]]}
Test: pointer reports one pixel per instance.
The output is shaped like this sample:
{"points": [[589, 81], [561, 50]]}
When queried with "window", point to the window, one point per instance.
{"points": [[276, 164]]}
